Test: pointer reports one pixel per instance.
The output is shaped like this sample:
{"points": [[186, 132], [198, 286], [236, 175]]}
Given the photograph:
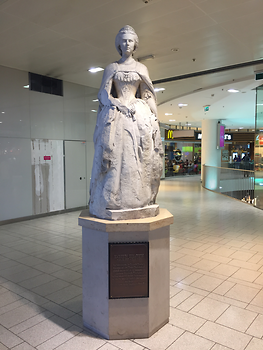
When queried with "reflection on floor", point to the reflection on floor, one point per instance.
{"points": [[216, 278]]}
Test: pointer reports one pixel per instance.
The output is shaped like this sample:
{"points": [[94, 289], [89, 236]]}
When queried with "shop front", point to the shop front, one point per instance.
{"points": [[182, 153]]}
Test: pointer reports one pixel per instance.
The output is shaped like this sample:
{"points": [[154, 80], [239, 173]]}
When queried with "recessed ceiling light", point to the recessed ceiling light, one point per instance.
{"points": [[95, 100], [233, 90], [26, 86], [145, 58], [93, 110], [168, 113], [182, 104], [159, 89], [95, 70], [3, 112], [1, 122], [171, 120]]}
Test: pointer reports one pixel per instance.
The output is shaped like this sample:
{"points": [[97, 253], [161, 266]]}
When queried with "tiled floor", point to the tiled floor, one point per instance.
{"points": [[216, 278]]}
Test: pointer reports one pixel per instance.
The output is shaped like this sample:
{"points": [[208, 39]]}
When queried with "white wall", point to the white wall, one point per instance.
{"points": [[27, 115], [15, 178]]}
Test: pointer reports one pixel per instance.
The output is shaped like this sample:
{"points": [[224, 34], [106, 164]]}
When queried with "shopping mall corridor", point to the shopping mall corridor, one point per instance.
{"points": [[216, 278]]}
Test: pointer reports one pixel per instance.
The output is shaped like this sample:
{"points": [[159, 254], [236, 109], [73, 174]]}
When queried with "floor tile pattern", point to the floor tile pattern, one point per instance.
{"points": [[216, 278]]}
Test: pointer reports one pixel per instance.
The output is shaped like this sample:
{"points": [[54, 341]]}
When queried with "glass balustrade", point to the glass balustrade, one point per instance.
{"points": [[259, 148], [235, 183]]}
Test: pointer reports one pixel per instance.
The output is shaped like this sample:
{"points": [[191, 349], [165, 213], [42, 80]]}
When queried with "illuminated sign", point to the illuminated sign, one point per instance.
{"points": [[221, 136], [228, 137], [170, 134]]}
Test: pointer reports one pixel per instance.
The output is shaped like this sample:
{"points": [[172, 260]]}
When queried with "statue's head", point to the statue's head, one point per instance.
{"points": [[124, 31]]}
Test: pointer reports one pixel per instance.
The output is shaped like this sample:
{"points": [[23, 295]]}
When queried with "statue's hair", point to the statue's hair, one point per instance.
{"points": [[126, 29]]}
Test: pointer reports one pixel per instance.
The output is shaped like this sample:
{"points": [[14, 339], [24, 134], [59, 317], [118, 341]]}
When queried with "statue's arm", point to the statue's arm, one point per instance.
{"points": [[148, 97], [146, 89], [105, 96], [105, 88]]}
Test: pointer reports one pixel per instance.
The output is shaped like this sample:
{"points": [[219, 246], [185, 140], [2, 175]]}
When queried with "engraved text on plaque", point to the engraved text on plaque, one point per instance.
{"points": [[128, 270]]}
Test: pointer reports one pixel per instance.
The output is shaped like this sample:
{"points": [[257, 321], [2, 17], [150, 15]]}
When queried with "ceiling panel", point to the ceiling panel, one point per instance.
{"points": [[26, 8], [7, 21], [222, 6], [237, 12]]}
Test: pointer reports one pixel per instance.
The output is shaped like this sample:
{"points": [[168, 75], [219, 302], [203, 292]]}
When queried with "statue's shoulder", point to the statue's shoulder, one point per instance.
{"points": [[111, 68], [141, 68]]}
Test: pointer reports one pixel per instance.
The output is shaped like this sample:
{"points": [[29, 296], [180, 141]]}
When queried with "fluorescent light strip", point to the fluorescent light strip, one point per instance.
{"points": [[159, 89], [95, 70], [233, 90]]}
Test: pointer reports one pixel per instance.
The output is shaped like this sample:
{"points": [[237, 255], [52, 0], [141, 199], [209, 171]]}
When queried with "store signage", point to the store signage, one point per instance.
{"points": [[221, 136], [174, 134], [183, 133], [47, 157], [170, 134], [198, 135], [228, 137]]}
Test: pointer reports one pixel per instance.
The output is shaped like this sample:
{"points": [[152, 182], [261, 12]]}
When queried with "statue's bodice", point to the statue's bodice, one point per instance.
{"points": [[126, 84], [127, 76]]}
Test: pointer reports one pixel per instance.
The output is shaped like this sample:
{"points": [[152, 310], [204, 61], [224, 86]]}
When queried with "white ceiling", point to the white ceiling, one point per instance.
{"points": [[64, 38]]}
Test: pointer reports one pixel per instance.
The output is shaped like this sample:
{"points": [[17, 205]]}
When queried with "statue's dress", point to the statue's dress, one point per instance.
{"points": [[127, 162]]}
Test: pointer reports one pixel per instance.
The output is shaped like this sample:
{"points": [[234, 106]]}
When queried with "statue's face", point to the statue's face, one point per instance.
{"points": [[127, 44]]}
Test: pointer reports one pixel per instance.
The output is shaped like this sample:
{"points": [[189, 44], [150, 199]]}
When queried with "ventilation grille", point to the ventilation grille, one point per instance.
{"points": [[47, 85]]}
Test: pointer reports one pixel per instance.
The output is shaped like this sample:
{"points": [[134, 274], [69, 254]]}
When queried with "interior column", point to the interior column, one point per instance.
{"points": [[210, 155]]}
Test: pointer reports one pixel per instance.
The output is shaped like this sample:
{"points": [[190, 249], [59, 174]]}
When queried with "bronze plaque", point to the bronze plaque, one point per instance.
{"points": [[128, 270]]}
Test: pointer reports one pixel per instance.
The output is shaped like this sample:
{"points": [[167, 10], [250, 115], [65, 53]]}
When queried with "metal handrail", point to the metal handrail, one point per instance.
{"points": [[230, 169]]}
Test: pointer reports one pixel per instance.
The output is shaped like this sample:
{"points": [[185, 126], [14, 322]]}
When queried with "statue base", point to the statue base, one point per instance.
{"points": [[130, 214], [126, 275]]}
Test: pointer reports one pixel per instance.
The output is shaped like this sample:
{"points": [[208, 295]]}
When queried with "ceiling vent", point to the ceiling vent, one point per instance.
{"points": [[145, 58]]}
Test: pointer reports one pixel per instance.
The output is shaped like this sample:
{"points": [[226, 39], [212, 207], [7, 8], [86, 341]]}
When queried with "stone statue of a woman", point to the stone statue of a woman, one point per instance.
{"points": [[128, 155]]}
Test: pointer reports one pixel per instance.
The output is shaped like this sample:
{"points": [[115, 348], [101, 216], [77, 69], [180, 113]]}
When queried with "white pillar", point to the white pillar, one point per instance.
{"points": [[210, 155]]}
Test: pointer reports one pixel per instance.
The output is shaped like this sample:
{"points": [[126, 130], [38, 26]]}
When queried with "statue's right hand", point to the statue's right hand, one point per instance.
{"points": [[123, 109]]}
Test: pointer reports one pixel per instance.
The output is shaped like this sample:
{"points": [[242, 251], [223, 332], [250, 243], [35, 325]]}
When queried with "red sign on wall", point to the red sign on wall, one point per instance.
{"points": [[47, 157]]}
